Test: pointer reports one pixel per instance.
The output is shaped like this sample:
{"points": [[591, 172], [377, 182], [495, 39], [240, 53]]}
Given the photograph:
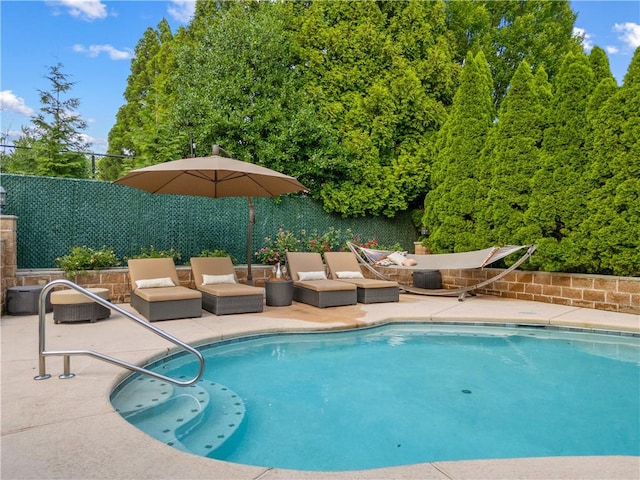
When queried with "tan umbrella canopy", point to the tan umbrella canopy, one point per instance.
{"points": [[215, 177]]}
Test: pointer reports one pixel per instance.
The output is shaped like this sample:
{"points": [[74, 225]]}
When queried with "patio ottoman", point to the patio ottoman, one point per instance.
{"points": [[73, 306], [429, 279], [25, 300]]}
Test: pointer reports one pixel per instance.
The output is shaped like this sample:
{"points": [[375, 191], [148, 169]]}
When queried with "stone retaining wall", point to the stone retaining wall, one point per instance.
{"points": [[602, 292]]}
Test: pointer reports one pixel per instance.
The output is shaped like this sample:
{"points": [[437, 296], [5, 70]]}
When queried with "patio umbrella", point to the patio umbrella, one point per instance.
{"points": [[215, 177]]}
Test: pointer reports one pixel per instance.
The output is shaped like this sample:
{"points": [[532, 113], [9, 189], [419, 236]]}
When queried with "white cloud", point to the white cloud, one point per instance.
{"points": [[585, 36], [12, 135], [88, 10], [98, 145], [95, 50], [629, 33], [9, 101], [612, 49], [182, 10]]}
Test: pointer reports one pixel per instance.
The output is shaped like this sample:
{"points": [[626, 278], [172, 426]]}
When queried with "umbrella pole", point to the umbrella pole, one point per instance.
{"points": [[252, 220]]}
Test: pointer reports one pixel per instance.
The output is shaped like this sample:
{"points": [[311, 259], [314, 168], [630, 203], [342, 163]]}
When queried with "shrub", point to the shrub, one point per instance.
{"points": [[81, 259], [274, 250], [218, 252], [333, 240], [152, 252]]}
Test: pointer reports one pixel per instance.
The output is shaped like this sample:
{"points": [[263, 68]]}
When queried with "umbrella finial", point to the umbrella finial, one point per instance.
{"points": [[217, 150]]}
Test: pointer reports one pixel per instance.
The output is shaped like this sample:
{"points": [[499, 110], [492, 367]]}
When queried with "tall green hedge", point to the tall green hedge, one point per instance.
{"points": [[56, 214]]}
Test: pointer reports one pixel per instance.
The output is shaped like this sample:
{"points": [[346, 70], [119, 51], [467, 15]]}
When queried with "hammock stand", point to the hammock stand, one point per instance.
{"points": [[446, 261]]}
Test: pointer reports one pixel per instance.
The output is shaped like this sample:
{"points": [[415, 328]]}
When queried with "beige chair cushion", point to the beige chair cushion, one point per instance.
{"points": [[166, 294], [73, 297], [368, 282], [325, 285], [341, 262], [231, 290], [211, 266], [148, 268], [303, 262], [201, 266], [347, 262]]}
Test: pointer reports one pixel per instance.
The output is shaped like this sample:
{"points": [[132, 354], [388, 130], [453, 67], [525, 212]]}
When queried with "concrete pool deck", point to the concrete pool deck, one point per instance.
{"points": [[67, 429]]}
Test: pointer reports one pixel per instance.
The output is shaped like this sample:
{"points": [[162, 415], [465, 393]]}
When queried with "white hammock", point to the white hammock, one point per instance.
{"points": [[446, 261]]}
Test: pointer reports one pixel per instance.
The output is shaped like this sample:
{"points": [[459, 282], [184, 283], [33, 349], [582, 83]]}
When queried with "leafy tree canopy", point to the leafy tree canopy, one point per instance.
{"points": [[489, 111]]}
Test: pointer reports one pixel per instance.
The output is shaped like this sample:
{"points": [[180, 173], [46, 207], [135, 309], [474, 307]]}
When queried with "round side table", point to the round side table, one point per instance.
{"points": [[278, 293]]}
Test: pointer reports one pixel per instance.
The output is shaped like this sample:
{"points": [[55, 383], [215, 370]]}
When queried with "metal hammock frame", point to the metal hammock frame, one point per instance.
{"points": [[465, 260]]}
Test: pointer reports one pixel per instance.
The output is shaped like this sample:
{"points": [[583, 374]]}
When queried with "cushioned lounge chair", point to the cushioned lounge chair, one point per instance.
{"points": [[311, 286], [216, 279], [156, 291], [344, 267]]}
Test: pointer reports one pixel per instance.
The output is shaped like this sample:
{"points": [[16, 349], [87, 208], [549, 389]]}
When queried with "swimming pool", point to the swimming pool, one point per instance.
{"points": [[396, 395]]}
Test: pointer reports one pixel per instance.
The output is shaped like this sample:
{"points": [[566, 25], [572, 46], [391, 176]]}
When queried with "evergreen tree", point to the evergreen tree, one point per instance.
{"points": [[610, 230], [53, 144], [557, 206], [144, 127], [513, 153], [600, 65], [454, 203], [604, 90], [22, 159]]}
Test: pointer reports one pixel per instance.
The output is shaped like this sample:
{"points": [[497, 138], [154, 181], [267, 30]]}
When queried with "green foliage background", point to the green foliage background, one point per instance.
{"points": [[483, 118]]}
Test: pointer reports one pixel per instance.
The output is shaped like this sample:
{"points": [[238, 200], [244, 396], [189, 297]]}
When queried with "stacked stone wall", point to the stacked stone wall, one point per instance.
{"points": [[602, 292]]}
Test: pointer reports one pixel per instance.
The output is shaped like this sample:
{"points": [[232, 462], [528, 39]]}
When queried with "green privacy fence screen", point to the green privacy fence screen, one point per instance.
{"points": [[56, 214]]}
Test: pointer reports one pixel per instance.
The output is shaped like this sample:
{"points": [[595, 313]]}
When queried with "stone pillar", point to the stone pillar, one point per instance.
{"points": [[420, 249], [8, 256]]}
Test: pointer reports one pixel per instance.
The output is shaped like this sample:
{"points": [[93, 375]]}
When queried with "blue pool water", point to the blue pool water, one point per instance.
{"points": [[395, 395]]}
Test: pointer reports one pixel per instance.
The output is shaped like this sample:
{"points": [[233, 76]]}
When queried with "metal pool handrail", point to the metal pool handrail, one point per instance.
{"points": [[67, 353]]}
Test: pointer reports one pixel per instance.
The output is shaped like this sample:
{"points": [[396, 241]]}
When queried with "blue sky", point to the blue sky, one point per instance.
{"points": [[94, 40]]}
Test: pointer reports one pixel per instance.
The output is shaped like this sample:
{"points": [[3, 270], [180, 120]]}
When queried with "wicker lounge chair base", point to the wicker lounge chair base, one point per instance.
{"points": [[227, 305], [324, 299], [82, 312], [378, 295], [171, 309], [73, 306]]}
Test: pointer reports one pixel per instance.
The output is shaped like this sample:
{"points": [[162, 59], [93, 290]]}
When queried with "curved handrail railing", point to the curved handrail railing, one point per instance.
{"points": [[43, 353]]}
